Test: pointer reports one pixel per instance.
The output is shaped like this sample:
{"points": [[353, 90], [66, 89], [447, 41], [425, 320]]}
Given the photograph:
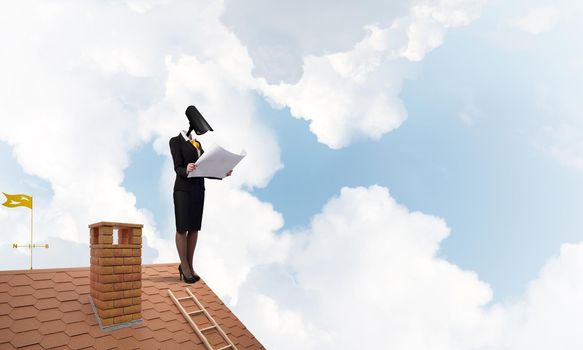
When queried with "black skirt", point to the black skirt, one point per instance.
{"points": [[188, 206]]}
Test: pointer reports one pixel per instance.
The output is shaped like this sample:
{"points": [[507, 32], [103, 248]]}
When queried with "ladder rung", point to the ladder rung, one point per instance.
{"points": [[207, 328], [194, 326]]}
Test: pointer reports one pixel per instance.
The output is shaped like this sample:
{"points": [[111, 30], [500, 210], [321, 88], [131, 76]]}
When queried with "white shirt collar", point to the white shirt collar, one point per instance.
{"points": [[183, 133]]}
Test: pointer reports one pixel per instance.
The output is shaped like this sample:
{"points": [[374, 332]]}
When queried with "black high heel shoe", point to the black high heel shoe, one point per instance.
{"points": [[187, 279], [196, 277]]}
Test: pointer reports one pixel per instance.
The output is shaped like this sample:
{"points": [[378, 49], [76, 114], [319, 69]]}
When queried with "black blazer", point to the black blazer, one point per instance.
{"points": [[183, 152]]}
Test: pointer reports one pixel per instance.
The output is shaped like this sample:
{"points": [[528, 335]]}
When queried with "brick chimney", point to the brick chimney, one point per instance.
{"points": [[116, 272]]}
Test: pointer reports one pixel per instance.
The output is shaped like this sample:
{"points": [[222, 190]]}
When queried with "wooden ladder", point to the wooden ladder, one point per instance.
{"points": [[201, 310]]}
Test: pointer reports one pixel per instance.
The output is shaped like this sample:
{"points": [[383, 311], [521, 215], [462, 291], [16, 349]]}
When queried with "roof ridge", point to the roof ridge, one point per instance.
{"points": [[77, 268]]}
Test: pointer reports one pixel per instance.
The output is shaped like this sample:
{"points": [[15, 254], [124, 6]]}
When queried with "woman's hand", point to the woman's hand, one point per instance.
{"points": [[190, 167], [229, 173]]}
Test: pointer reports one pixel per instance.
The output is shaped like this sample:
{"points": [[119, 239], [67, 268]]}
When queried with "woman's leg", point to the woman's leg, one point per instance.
{"points": [[191, 245], [181, 247]]}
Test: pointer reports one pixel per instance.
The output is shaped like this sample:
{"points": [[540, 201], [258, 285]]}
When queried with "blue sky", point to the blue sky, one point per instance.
{"points": [[361, 150], [486, 179]]}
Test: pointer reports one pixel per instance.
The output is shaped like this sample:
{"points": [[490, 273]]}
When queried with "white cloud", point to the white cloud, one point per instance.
{"points": [[367, 272], [538, 20], [428, 21], [551, 313], [113, 80], [65, 126], [354, 94], [84, 84], [280, 34], [239, 233], [345, 96]]}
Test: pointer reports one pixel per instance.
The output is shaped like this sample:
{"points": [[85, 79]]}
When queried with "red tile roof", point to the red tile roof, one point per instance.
{"points": [[49, 308]]}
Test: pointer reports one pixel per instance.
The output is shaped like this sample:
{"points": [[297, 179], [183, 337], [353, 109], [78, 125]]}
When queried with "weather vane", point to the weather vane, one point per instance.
{"points": [[22, 200]]}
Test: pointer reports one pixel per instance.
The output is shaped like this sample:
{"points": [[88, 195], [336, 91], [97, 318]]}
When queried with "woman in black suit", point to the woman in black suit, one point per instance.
{"points": [[188, 192]]}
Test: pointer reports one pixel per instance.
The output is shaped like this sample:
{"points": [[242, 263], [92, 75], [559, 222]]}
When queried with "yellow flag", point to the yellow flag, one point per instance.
{"points": [[17, 200]]}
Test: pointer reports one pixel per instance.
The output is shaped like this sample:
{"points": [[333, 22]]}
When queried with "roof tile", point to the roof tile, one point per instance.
{"points": [[41, 276], [43, 284], [156, 299], [53, 306], [62, 277], [71, 305], [81, 281], [49, 315], [128, 343], [82, 289], [23, 312], [48, 303], [76, 328], [5, 309], [201, 320], [162, 335], [96, 332], [50, 327], [78, 274], [183, 336], [150, 290], [167, 316], [122, 333], [4, 298], [150, 314], [174, 326], [24, 325], [170, 344], [5, 321], [86, 309], [155, 324], [215, 338], [146, 304], [245, 340], [20, 290], [6, 335], [73, 316], [63, 287], [23, 300], [20, 280], [91, 320], [143, 333], [32, 347], [105, 343], [188, 304], [81, 341], [26, 338], [152, 344], [69, 295], [45, 293], [54, 340]]}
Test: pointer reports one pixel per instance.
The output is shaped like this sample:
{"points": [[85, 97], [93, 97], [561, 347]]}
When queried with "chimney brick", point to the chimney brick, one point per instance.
{"points": [[116, 271]]}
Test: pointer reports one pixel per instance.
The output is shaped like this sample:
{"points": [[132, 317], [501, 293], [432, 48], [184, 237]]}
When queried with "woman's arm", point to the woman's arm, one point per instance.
{"points": [[179, 167]]}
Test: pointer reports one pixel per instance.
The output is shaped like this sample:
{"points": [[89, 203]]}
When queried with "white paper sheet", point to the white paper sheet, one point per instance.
{"points": [[216, 162]]}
